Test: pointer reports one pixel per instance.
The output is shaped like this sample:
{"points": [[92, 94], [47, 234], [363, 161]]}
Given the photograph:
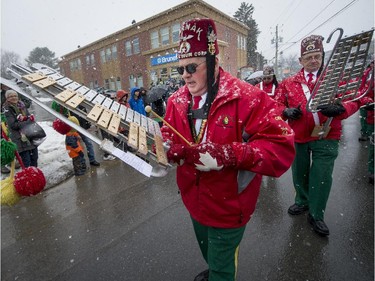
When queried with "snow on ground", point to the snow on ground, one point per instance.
{"points": [[54, 160]]}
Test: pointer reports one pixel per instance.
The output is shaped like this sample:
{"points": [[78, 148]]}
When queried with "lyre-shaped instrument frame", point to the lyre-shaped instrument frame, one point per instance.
{"points": [[341, 76]]}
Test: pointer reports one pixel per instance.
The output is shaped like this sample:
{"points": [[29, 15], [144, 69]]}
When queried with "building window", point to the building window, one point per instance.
{"points": [[154, 39], [136, 48], [128, 48], [108, 54], [92, 59], [75, 64], [106, 83], [131, 81], [164, 34], [118, 83], [114, 52], [175, 33], [112, 84], [140, 80], [102, 56]]}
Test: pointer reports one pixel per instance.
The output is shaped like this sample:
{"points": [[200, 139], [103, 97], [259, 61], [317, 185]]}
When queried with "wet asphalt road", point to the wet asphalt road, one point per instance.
{"points": [[115, 224]]}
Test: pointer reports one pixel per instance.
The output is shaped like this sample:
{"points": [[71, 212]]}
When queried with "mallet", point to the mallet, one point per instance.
{"points": [[148, 109]]}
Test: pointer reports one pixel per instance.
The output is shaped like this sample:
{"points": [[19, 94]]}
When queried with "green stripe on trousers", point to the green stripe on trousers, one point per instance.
{"points": [[219, 247]]}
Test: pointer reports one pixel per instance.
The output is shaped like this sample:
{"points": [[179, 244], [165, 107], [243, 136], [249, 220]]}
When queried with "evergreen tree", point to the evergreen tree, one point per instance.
{"points": [[7, 58], [43, 56], [245, 15]]}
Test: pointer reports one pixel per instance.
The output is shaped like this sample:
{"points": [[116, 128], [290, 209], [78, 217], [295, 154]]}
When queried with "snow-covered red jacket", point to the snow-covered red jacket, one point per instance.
{"points": [[269, 88], [290, 93], [220, 198], [368, 81]]}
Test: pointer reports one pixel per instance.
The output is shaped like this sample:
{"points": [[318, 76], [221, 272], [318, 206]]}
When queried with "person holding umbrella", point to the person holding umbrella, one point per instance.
{"points": [[156, 98]]}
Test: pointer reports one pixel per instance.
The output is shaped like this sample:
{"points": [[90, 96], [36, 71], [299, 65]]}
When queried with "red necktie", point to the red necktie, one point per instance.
{"points": [[310, 81], [196, 101]]}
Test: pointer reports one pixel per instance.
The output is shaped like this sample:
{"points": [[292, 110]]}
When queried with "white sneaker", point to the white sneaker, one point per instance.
{"points": [[109, 157]]}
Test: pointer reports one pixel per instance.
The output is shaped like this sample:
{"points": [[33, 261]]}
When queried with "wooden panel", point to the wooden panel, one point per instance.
{"points": [[32, 77], [114, 124], [142, 141], [133, 135], [45, 83], [160, 152], [76, 100], [65, 95], [95, 112], [105, 118]]}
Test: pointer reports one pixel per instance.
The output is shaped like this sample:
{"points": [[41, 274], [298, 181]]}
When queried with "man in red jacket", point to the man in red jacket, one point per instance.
{"points": [[313, 166], [232, 135]]}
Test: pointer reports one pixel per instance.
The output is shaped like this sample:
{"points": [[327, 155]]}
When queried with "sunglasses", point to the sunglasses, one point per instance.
{"points": [[190, 68]]}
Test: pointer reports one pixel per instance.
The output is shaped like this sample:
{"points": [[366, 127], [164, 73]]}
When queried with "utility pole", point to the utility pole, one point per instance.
{"points": [[276, 40], [277, 50]]}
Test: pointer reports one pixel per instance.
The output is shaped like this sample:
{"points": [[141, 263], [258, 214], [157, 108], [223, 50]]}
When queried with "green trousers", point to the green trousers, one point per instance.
{"points": [[312, 174], [371, 150], [365, 128], [219, 247]]}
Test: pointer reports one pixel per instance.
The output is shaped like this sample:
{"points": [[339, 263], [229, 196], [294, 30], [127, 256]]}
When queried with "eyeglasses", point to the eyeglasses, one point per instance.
{"points": [[9, 97], [190, 68], [310, 58], [267, 78]]}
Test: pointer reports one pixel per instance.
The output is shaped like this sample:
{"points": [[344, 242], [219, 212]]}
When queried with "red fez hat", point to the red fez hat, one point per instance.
{"points": [[311, 44], [197, 38]]}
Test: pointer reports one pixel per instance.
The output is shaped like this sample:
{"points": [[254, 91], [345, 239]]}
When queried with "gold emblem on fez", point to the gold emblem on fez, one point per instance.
{"points": [[211, 38], [226, 120], [185, 47]]}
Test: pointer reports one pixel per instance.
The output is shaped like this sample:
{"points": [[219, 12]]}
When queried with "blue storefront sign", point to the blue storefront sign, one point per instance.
{"points": [[164, 59]]}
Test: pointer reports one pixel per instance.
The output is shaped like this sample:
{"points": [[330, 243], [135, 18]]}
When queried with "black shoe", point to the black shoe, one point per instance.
{"points": [[79, 174], [319, 226], [297, 210], [363, 138], [5, 170], [371, 179], [95, 163], [203, 276]]}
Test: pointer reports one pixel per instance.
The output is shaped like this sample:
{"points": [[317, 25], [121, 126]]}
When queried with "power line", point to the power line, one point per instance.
{"points": [[318, 14], [330, 18]]}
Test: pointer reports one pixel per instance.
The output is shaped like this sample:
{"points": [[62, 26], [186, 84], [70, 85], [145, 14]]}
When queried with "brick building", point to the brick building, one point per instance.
{"points": [[145, 53]]}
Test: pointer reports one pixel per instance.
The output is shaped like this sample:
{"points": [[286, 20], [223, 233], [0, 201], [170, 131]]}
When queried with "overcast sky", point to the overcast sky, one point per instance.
{"points": [[63, 25]]}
